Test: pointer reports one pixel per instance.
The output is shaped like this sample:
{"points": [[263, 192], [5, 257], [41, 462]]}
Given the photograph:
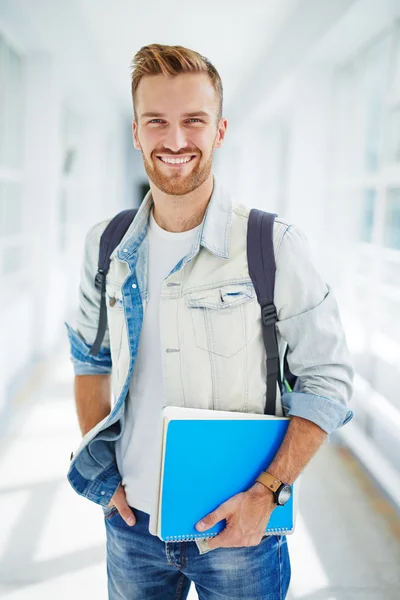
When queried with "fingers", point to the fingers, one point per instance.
{"points": [[211, 519], [219, 541], [120, 503]]}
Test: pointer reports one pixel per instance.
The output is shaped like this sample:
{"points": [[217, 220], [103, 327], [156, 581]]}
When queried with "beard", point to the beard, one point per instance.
{"points": [[174, 183]]}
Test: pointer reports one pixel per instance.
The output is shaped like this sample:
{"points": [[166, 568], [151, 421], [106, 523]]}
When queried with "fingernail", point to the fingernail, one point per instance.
{"points": [[200, 525], [130, 521]]}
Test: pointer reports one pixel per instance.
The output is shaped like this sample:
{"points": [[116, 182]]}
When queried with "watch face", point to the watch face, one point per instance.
{"points": [[284, 494]]}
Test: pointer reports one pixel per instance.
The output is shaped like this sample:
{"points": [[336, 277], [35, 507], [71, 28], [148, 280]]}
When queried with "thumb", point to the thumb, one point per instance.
{"points": [[212, 518], [119, 500]]}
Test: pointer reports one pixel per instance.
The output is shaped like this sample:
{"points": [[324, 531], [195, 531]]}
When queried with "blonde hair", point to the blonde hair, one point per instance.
{"points": [[158, 59]]}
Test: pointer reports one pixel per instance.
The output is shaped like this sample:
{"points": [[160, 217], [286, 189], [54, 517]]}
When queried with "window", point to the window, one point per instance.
{"points": [[70, 190], [367, 215], [11, 122], [374, 94], [367, 137], [392, 219], [392, 133], [392, 142], [11, 146], [395, 78], [346, 115], [366, 173]]}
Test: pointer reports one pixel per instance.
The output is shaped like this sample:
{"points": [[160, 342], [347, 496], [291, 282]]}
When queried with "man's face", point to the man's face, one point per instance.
{"points": [[177, 130]]}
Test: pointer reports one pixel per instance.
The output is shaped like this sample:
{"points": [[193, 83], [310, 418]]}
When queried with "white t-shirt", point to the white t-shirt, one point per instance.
{"points": [[138, 448]]}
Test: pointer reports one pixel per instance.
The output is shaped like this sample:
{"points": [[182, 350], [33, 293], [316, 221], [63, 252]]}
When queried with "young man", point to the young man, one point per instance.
{"points": [[171, 341]]}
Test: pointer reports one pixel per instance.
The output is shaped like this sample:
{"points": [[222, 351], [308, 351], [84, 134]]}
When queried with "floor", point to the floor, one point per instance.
{"points": [[52, 542]]}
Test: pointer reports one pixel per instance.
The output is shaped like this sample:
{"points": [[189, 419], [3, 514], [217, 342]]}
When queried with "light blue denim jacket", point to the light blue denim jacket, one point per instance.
{"points": [[210, 329]]}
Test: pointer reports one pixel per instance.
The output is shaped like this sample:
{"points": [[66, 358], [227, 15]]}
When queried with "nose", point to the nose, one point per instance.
{"points": [[175, 138]]}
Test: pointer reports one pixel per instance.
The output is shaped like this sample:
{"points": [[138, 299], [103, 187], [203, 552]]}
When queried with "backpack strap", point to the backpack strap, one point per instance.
{"points": [[111, 237], [262, 267]]}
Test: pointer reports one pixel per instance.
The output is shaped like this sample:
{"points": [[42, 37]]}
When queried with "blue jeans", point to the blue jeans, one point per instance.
{"points": [[142, 567]]}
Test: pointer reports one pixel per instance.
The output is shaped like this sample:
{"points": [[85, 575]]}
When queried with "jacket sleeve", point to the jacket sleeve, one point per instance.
{"points": [[309, 321], [82, 337]]}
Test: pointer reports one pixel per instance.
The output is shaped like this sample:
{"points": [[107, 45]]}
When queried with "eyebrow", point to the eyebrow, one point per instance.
{"points": [[199, 113]]}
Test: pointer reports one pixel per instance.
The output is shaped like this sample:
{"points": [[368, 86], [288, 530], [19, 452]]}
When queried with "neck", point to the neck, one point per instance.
{"points": [[181, 213]]}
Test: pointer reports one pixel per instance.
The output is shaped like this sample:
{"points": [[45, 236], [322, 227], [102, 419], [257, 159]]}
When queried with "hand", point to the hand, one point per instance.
{"points": [[120, 503], [247, 515]]}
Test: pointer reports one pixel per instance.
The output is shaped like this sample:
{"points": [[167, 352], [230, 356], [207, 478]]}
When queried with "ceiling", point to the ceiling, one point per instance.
{"points": [[231, 33], [254, 45]]}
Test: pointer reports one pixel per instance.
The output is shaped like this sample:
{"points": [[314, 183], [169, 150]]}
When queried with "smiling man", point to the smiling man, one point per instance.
{"points": [[171, 340], [177, 144]]}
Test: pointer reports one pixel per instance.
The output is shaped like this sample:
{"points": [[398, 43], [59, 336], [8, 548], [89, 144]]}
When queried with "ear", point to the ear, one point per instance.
{"points": [[135, 135], [222, 125]]}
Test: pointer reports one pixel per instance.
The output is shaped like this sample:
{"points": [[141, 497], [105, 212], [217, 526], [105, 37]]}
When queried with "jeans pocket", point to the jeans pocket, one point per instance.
{"points": [[109, 511]]}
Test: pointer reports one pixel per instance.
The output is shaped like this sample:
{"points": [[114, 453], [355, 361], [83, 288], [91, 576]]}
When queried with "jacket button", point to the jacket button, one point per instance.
{"points": [[112, 301]]}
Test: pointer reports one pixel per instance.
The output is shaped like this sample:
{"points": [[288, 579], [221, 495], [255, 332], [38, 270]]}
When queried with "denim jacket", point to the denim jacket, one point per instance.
{"points": [[210, 327]]}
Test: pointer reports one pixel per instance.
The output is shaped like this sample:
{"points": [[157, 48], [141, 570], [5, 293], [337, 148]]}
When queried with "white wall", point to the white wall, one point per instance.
{"points": [[67, 106]]}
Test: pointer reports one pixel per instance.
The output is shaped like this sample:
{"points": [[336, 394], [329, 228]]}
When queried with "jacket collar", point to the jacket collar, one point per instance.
{"points": [[213, 235]]}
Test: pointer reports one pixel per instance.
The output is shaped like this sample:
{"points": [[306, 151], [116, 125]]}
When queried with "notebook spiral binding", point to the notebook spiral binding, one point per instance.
{"points": [[193, 536], [188, 537]]}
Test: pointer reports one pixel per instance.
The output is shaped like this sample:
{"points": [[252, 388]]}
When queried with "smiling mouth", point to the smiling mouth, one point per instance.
{"points": [[176, 162]]}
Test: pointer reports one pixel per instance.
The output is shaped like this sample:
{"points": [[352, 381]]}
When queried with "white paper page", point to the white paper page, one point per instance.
{"points": [[153, 521], [180, 412]]}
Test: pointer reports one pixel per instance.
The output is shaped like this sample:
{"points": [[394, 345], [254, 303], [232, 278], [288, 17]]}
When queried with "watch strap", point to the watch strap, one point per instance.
{"points": [[269, 481]]}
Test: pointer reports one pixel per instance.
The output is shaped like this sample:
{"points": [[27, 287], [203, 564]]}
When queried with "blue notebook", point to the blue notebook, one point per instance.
{"points": [[208, 456]]}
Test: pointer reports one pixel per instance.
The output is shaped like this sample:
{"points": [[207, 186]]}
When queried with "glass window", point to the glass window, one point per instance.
{"points": [[345, 111], [11, 152], [392, 219], [11, 101], [14, 209], [374, 90], [3, 101], [2, 208], [10, 208], [392, 142], [15, 122], [390, 271], [396, 64], [12, 259], [368, 204], [388, 316]]}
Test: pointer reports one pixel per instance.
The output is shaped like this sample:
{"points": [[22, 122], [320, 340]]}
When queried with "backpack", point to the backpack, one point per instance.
{"points": [[262, 267]]}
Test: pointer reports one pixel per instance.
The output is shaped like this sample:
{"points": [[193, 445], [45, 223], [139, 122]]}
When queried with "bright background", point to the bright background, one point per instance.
{"points": [[312, 98]]}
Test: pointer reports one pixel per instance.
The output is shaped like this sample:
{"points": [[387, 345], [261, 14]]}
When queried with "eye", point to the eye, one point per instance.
{"points": [[195, 119], [154, 120]]}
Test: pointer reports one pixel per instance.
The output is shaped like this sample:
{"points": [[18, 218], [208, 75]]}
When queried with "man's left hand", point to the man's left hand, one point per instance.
{"points": [[247, 515]]}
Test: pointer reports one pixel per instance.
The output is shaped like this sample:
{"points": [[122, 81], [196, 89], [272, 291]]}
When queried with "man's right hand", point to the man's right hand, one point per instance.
{"points": [[120, 503]]}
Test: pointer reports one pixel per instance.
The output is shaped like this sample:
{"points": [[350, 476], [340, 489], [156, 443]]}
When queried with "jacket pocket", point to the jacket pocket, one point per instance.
{"points": [[223, 318]]}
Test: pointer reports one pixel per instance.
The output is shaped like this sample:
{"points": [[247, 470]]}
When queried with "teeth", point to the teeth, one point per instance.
{"points": [[175, 161]]}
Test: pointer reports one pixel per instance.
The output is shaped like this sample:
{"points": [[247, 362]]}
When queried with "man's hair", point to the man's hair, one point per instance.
{"points": [[170, 61]]}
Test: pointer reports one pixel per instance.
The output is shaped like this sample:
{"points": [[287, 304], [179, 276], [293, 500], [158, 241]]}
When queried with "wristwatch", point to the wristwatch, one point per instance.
{"points": [[280, 490]]}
